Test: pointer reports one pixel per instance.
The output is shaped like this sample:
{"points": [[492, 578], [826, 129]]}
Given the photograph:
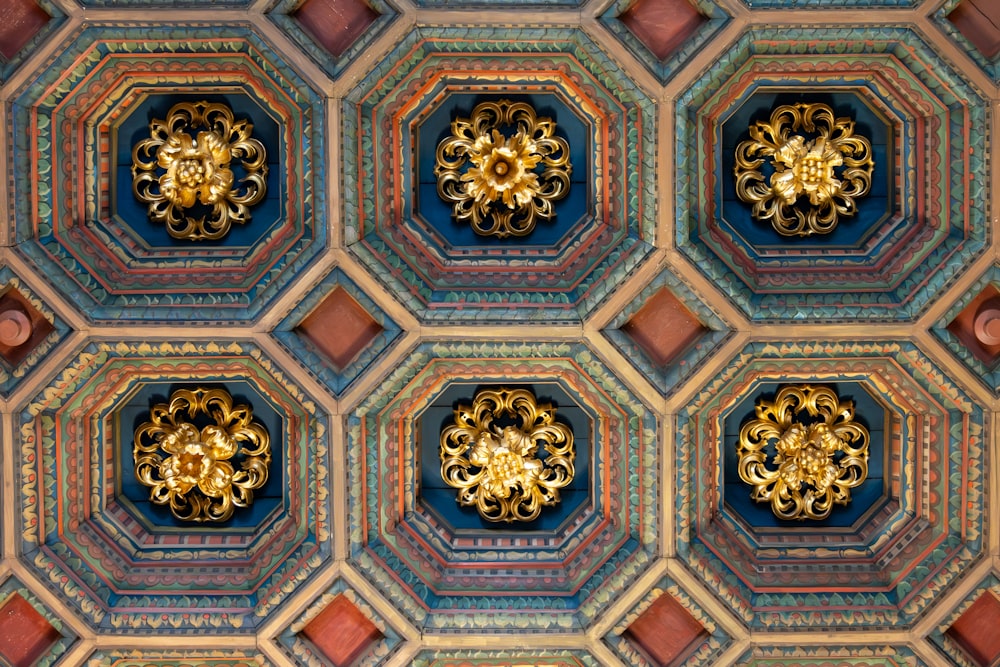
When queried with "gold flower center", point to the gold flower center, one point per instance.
{"points": [[814, 460], [500, 168], [191, 172], [506, 466], [812, 170], [191, 463]]}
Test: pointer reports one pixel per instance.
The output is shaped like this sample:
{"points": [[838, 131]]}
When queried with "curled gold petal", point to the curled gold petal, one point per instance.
{"points": [[502, 184], [496, 468], [191, 470], [814, 180], [817, 460], [186, 161]]}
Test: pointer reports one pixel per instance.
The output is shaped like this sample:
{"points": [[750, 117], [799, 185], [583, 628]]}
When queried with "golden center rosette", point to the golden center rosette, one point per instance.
{"points": [[192, 469], [495, 467], [813, 181], [176, 170], [509, 182], [817, 457]]}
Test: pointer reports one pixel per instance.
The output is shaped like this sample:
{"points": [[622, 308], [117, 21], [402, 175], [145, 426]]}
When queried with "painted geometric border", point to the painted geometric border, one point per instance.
{"points": [[281, 13], [669, 378], [82, 549], [62, 216], [315, 363], [301, 651], [153, 657], [708, 651], [377, 436], [60, 330], [955, 520], [546, 292], [939, 636], [824, 656], [960, 197], [988, 373], [504, 658], [665, 70], [486, 4], [824, 4]]}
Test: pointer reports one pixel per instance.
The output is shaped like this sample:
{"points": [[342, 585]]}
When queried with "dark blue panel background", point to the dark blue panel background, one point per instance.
{"points": [[759, 514], [437, 127], [441, 498], [135, 128], [850, 231], [265, 499]]}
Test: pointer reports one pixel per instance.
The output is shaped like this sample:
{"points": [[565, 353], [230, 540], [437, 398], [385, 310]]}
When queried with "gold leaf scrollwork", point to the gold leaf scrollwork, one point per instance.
{"points": [[496, 468], [813, 181], [503, 192], [817, 460], [191, 469], [172, 170]]}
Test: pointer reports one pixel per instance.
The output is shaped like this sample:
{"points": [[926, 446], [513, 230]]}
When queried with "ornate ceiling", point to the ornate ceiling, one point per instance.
{"points": [[307, 306]]}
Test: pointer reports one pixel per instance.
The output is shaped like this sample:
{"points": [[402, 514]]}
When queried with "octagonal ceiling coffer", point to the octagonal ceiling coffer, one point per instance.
{"points": [[400, 228], [890, 259], [93, 521], [917, 420], [443, 556], [93, 238]]}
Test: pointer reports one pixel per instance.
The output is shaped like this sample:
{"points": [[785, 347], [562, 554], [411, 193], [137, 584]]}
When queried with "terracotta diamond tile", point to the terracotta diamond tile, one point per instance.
{"points": [[979, 21], [335, 24], [22, 327], [662, 25], [666, 631], [339, 327], [664, 327], [976, 630], [25, 635], [341, 632], [20, 20], [981, 342]]}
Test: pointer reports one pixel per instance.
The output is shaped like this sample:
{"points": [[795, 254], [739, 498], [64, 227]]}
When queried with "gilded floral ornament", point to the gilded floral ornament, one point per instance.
{"points": [[813, 181], [192, 469], [495, 467], [818, 457], [510, 181], [174, 172]]}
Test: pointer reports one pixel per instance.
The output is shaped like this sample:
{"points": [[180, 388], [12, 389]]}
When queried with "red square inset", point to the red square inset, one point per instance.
{"points": [[25, 635], [662, 25], [336, 24], [341, 632], [664, 327], [977, 630], [666, 631], [979, 21], [339, 327], [20, 20]]}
